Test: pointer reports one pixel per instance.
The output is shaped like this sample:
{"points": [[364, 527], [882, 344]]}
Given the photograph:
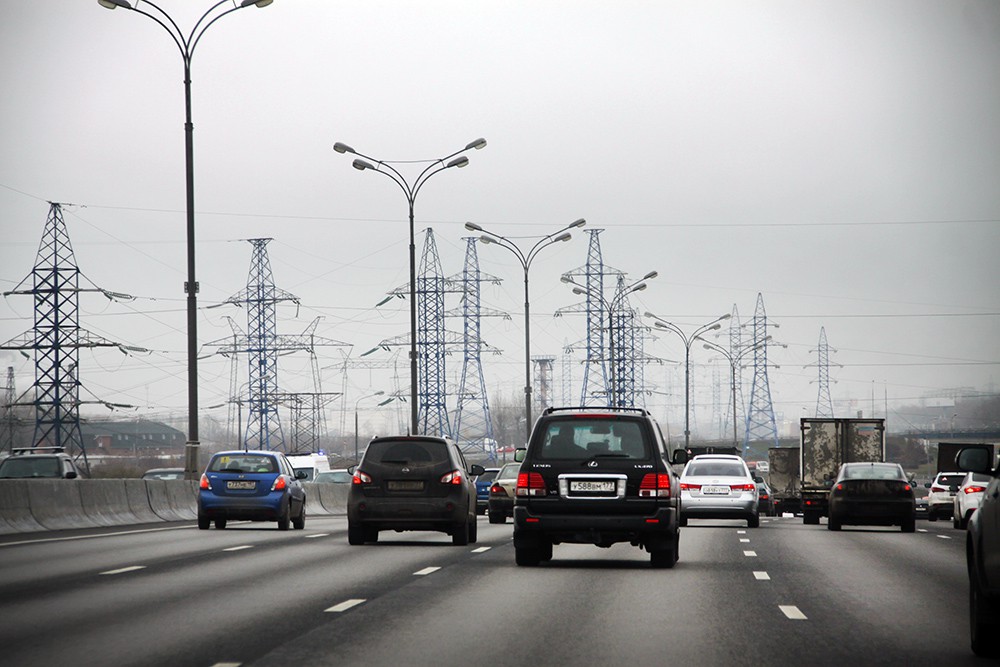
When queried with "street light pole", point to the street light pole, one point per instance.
{"points": [[377, 393], [525, 259], [186, 45], [610, 306], [688, 340], [363, 162]]}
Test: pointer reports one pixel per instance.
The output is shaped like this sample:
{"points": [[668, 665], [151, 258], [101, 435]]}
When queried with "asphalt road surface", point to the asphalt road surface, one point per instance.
{"points": [[781, 594]]}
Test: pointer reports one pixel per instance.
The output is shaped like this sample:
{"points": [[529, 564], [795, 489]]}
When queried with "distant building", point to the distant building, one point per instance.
{"points": [[132, 438]]}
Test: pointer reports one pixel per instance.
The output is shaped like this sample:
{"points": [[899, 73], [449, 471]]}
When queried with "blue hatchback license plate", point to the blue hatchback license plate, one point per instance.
{"points": [[248, 485]]}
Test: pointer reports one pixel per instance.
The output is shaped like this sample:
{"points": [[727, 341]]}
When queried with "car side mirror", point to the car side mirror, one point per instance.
{"points": [[71, 474], [301, 474], [352, 468], [680, 457], [519, 454], [975, 459], [927, 485], [476, 469]]}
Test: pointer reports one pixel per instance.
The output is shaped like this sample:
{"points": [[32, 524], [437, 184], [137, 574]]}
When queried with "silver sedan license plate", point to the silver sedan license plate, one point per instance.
{"points": [[715, 490], [590, 486]]}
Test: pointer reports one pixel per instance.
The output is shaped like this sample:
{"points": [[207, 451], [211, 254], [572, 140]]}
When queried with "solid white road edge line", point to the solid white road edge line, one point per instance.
{"points": [[309, 537], [239, 548], [122, 570]]}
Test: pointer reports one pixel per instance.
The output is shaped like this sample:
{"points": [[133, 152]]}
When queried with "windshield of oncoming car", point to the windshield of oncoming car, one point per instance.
{"points": [[403, 452], [40, 466], [582, 439], [243, 463]]}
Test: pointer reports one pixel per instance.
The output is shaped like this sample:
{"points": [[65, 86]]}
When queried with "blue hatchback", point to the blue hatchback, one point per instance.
{"points": [[251, 485], [483, 483]]}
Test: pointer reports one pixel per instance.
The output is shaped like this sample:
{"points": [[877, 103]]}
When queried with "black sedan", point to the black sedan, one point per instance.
{"points": [[872, 494]]}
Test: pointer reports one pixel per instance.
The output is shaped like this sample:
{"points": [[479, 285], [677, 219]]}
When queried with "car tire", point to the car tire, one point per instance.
{"points": [[355, 535], [460, 534], [204, 523], [284, 521], [753, 521], [666, 558], [909, 525], [299, 522], [810, 518], [498, 517], [527, 556], [473, 530], [682, 521], [220, 524], [931, 516], [371, 535], [834, 523], [983, 626], [963, 523]]}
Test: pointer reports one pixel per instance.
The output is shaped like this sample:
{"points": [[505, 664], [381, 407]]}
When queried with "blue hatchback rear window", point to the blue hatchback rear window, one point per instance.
{"points": [[243, 463]]}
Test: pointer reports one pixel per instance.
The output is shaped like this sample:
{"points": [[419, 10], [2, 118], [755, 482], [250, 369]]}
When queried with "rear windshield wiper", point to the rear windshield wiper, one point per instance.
{"points": [[400, 462]]}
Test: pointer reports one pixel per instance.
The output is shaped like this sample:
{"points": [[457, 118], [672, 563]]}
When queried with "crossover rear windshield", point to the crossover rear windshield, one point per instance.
{"points": [[587, 438], [405, 452], [238, 463], [884, 471]]}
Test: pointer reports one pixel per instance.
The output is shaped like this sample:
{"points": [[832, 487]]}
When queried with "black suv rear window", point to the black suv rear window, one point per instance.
{"points": [[406, 452], [579, 439]]}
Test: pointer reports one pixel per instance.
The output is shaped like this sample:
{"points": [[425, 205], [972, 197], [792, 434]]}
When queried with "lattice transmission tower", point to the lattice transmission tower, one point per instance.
{"points": [[824, 403], [56, 339], [760, 422], [473, 422], [8, 418]]}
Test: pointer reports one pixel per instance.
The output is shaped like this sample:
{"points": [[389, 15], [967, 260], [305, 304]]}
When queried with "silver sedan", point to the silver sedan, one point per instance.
{"points": [[718, 486]]}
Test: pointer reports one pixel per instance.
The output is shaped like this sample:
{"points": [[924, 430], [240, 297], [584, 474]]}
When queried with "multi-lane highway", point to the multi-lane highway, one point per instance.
{"points": [[781, 594]]}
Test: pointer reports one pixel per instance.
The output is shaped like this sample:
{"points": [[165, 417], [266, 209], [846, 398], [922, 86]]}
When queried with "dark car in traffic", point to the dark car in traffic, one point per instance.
{"points": [[251, 485], [501, 504], [39, 463], [596, 476], [982, 551], [872, 494], [412, 482], [483, 482]]}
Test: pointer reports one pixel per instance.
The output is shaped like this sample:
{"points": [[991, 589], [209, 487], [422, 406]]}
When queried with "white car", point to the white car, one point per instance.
{"points": [[970, 494], [940, 501], [718, 486]]}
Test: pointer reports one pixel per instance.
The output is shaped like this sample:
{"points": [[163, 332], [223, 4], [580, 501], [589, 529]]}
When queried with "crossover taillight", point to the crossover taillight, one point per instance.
{"points": [[453, 477], [361, 478], [530, 484], [938, 489], [654, 485], [974, 489]]}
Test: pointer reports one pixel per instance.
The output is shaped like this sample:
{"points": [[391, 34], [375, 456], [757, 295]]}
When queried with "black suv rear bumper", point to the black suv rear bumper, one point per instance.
{"points": [[595, 528]]}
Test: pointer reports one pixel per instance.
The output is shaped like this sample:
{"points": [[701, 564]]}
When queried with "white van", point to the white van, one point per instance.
{"points": [[310, 463]]}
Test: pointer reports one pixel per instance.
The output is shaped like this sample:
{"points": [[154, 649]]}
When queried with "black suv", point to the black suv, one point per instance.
{"points": [[39, 463], [412, 483], [596, 476]]}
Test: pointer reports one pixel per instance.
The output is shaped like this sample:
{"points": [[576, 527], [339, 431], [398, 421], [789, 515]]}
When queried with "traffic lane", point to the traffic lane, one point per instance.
{"points": [[875, 591], [231, 606], [586, 606]]}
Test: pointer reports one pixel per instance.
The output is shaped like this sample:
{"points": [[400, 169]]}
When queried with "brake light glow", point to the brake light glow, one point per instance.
{"points": [[655, 485], [497, 490], [742, 487], [279, 483], [453, 477], [938, 489], [361, 478], [530, 484], [203, 484], [690, 487], [840, 487], [974, 489]]}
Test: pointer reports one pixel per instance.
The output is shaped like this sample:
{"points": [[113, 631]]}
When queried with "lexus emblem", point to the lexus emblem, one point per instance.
{"points": [[406, 470], [592, 464]]}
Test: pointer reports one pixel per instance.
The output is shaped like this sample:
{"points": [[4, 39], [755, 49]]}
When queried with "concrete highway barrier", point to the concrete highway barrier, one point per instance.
{"points": [[105, 502], [15, 510], [57, 504]]}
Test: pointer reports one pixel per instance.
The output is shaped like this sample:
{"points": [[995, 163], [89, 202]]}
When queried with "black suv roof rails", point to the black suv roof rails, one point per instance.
{"points": [[596, 408]]}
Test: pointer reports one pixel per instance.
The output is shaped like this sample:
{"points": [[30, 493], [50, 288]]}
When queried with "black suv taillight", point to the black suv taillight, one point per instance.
{"points": [[530, 484], [655, 485]]}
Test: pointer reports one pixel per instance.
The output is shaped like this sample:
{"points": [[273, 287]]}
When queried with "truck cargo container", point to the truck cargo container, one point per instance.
{"points": [[827, 443]]}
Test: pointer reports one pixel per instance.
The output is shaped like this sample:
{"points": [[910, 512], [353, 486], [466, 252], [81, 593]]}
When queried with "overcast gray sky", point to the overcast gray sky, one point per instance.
{"points": [[840, 158]]}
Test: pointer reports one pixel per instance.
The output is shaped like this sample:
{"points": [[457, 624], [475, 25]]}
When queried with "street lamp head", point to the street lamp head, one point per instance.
{"points": [[639, 287], [650, 275], [478, 144], [379, 393], [567, 279], [114, 4], [577, 223], [361, 165], [715, 326], [473, 227], [725, 317], [457, 162], [342, 148], [259, 3], [649, 314], [562, 237], [579, 290], [660, 325], [486, 239]]}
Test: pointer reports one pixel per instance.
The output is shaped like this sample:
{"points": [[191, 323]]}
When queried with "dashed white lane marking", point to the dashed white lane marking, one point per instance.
{"points": [[745, 540], [426, 571], [792, 612], [760, 575], [481, 550], [921, 530], [944, 537], [750, 554], [227, 664], [345, 605], [123, 570], [239, 548], [741, 532], [309, 537]]}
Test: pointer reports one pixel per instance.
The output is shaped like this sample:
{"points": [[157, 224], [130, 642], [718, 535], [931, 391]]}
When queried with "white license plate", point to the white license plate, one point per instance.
{"points": [[241, 486], [592, 487], [715, 490], [407, 485]]}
